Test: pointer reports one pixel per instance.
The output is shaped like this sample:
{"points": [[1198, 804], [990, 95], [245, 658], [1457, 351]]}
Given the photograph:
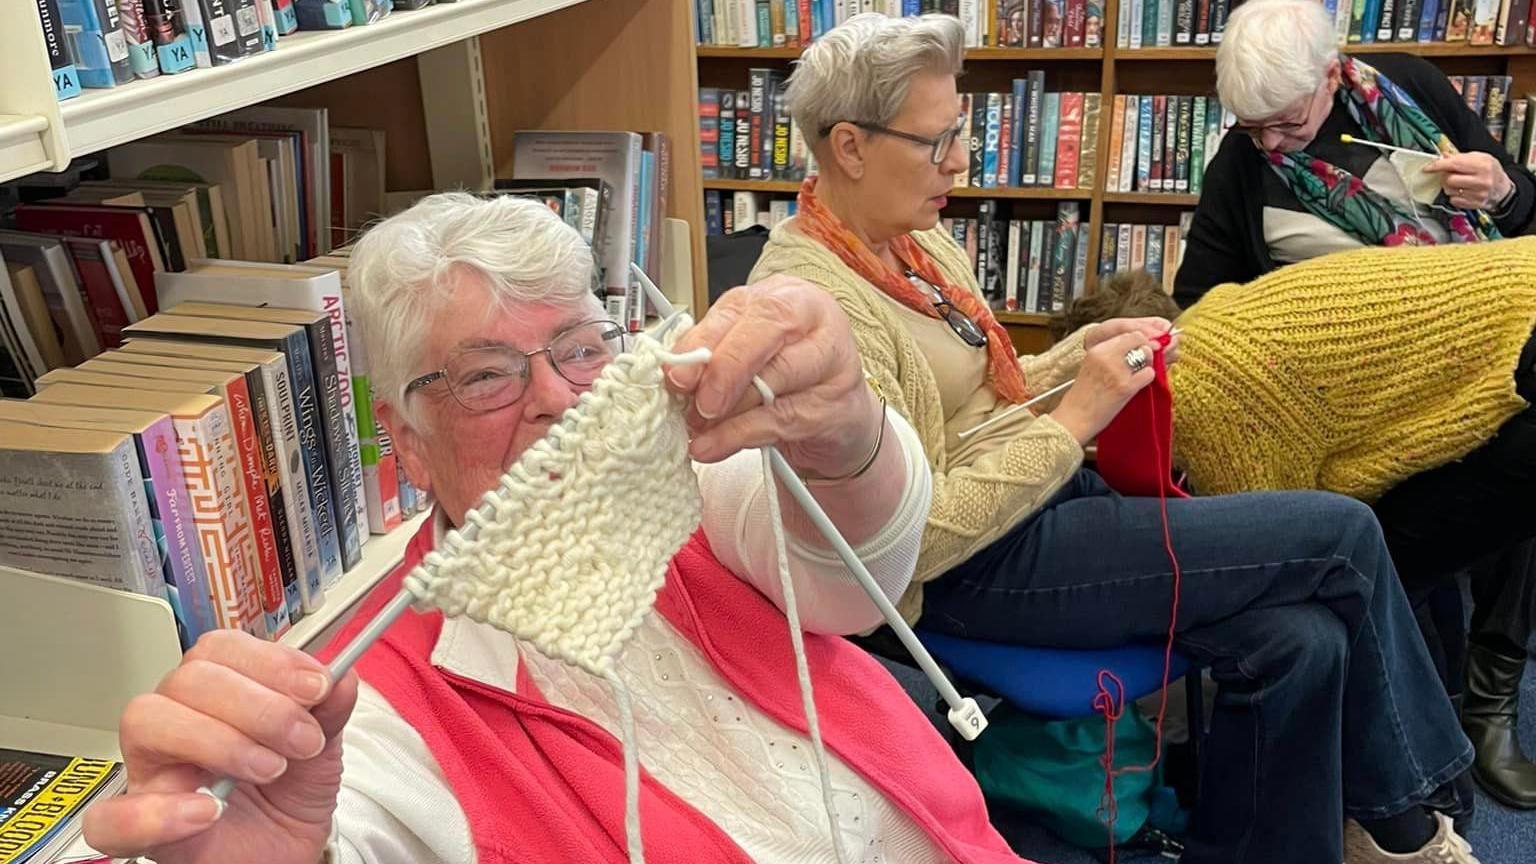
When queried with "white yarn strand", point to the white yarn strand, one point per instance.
{"points": [[797, 639], [630, 738]]}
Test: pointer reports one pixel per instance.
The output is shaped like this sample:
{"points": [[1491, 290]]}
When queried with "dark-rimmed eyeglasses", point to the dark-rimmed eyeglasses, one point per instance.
{"points": [[489, 377], [968, 330], [941, 145]]}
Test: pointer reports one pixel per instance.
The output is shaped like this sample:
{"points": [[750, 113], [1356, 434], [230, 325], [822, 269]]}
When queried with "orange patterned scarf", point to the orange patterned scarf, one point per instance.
{"points": [[821, 225]]}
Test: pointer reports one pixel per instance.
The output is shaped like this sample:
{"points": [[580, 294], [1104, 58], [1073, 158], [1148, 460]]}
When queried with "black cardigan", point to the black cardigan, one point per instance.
{"points": [[1226, 239]]}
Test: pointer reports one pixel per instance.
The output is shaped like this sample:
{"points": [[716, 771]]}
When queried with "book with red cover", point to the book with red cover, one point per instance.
{"points": [[131, 227], [1069, 137], [102, 303], [1076, 24]]}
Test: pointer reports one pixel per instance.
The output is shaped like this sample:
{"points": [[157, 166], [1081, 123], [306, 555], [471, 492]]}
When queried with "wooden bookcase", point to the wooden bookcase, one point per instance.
{"points": [[1108, 71]]}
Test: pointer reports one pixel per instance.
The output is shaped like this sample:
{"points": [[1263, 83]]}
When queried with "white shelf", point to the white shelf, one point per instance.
{"points": [[103, 118], [118, 645], [380, 555]]}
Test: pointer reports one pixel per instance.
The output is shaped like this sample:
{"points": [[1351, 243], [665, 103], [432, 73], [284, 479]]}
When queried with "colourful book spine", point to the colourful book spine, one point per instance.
{"points": [[1050, 124], [993, 137], [263, 538], [206, 450], [1197, 145], [1159, 129], [1069, 139], [181, 557], [61, 57], [1116, 143], [1144, 124], [1088, 151]]}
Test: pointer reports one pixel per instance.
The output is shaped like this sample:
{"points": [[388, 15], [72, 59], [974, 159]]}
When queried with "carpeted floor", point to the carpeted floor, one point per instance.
{"points": [[1499, 835]]}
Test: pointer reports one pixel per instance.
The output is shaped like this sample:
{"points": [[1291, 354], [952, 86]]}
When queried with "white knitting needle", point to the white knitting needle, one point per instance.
{"points": [[1350, 139], [964, 714]]}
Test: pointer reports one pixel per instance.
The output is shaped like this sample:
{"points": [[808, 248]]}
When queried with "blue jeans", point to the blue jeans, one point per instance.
{"points": [[1327, 704]]}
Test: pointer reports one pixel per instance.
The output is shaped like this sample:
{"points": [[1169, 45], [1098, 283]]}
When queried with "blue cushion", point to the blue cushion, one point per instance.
{"points": [[1051, 682]]}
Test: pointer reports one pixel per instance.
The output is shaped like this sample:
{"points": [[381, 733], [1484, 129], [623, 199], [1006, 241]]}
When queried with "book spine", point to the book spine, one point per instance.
{"points": [[284, 524], [1030, 167], [1011, 281], [1165, 10], [1184, 23], [1107, 237], [1154, 253], [977, 141], [1080, 264], [726, 142], [1005, 148], [1016, 134], [141, 48], [337, 457], [1203, 22], [780, 137], [127, 488], [1218, 19], [1181, 158], [197, 32], [1385, 20], [61, 57], [1197, 124], [248, 459], [1128, 146], [1093, 24], [1144, 148], [1069, 140], [304, 535], [213, 483], [1065, 254], [1407, 20], [743, 138], [1075, 28], [1159, 128], [335, 313], [1170, 143], [186, 575], [1050, 138], [301, 376], [1116, 143], [993, 133], [1088, 151], [757, 80], [709, 133]]}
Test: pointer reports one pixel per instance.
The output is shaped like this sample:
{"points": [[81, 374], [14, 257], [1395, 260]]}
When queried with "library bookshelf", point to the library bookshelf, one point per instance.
{"points": [[449, 85], [1108, 70]]}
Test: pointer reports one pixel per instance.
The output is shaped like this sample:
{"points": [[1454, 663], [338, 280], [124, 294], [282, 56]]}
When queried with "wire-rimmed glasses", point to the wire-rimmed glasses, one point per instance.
{"points": [[492, 376]]}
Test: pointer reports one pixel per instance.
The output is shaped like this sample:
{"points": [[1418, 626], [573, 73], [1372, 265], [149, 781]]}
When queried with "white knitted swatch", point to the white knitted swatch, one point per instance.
{"points": [[567, 554], [569, 551]]}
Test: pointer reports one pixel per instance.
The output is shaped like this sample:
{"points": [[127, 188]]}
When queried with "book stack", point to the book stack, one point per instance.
{"points": [[1164, 23], [796, 23], [1158, 249], [1163, 143], [43, 799], [100, 44], [1025, 265], [613, 187], [223, 455]]}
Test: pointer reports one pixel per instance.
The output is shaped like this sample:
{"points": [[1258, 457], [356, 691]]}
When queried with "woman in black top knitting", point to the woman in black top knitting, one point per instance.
{"points": [[1285, 186]]}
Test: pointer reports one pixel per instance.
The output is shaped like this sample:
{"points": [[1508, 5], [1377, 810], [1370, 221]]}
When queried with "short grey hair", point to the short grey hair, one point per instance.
{"points": [[860, 70], [402, 267], [1273, 54]]}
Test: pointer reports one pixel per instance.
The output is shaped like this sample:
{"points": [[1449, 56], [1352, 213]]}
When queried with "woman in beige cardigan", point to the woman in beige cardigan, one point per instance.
{"points": [[1329, 706]]}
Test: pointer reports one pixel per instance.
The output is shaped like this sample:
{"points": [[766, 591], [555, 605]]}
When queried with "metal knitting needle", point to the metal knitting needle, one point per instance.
{"points": [[1350, 139], [996, 418], [964, 714]]}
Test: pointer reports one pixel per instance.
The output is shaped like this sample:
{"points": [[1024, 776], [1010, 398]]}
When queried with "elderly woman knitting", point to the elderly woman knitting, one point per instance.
{"points": [[455, 743], [1291, 189], [1329, 705]]}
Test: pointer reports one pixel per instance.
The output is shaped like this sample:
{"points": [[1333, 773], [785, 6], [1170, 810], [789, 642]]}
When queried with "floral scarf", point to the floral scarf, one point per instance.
{"points": [[821, 225], [1388, 115]]}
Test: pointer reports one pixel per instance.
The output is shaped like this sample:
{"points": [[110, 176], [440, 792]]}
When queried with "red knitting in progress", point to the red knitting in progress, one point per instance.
{"points": [[1136, 458]]}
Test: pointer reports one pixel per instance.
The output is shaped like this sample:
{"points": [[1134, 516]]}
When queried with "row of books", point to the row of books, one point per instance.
{"points": [[1162, 143], [109, 43], [1466, 22], [1161, 23], [1030, 137], [613, 187], [796, 23], [1510, 120], [729, 212], [222, 455], [1025, 265], [749, 134], [1158, 249], [259, 184]]}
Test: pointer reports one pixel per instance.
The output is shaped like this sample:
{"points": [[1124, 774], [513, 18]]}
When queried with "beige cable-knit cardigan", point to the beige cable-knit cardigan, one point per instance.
{"points": [[974, 505]]}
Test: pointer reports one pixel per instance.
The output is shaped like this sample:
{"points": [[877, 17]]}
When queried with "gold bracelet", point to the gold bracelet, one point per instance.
{"points": [[857, 472]]}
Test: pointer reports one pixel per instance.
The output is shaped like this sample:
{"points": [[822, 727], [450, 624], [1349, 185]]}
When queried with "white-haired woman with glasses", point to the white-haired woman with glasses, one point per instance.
{"points": [[1329, 705], [1286, 188], [454, 742]]}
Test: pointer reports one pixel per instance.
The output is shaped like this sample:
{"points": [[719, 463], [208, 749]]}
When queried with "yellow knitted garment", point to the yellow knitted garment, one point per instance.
{"points": [[1353, 371]]}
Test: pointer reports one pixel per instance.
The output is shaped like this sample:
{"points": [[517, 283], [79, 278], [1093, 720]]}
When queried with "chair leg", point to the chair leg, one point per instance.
{"points": [[1194, 694]]}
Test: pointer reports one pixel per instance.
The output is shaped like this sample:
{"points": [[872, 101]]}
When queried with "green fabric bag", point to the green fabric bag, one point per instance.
{"points": [[1050, 770]]}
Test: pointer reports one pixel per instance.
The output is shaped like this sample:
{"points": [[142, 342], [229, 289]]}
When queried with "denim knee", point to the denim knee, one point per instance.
{"points": [[1309, 644]]}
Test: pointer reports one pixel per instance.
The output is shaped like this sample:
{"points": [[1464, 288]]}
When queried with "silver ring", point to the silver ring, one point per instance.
{"points": [[1136, 358]]}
